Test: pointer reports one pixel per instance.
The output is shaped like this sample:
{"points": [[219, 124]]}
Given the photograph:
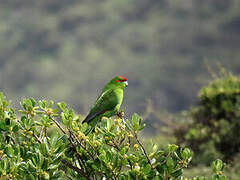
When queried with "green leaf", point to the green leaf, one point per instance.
{"points": [[46, 163], [9, 151], [122, 177], [109, 124], [35, 160], [160, 169], [57, 175], [53, 140], [172, 148], [158, 178], [135, 121], [53, 167], [62, 106], [217, 165], [223, 177], [7, 121], [216, 177], [43, 148], [64, 119], [132, 175], [51, 104], [15, 128], [147, 169], [170, 162], [152, 174], [142, 126], [108, 156], [123, 150], [116, 160], [97, 162], [84, 127], [41, 160], [177, 173], [186, 153], [3, 126], [28, 104], [57, 159], [23, 119], [94, 167], [159, 153], [30, 177], [33, 102], [43, 104], [2, 100]]}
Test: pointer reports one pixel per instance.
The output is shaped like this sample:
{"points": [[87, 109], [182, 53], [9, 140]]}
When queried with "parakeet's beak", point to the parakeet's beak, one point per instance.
{"points": [[126, 83]]}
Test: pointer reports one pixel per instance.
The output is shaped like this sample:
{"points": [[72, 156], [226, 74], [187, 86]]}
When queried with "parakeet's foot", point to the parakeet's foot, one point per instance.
{"points": [[120, 114]]}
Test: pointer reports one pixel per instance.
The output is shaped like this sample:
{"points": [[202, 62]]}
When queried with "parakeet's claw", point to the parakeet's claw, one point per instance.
{"points": [[120, 114]]}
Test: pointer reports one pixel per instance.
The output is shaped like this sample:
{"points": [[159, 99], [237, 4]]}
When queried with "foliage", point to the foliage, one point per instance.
{"points": [[214, 131], [160, 45], [114, 150]]}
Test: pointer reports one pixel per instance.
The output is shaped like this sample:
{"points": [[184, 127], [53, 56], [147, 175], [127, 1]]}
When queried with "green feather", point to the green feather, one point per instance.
{"points": [[108, 102]]}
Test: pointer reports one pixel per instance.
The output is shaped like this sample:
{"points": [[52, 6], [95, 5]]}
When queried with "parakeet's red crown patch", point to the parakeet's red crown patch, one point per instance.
{"points": [[122, 79]]}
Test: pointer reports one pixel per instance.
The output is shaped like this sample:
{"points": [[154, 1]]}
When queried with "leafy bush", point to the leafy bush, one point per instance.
{"points": [[32, 147], [214, 131]]}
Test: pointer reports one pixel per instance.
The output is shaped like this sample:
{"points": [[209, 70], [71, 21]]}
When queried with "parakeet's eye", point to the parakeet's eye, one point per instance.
{"points": [[124, 81]]}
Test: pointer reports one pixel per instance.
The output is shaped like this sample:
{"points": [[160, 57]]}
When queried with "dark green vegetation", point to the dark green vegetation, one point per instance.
{"points": [[214, 131], [29, 150], [67, 50], [211, 128]]}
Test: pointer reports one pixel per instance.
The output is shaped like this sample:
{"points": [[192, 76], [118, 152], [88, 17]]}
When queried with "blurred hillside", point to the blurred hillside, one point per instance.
{"points": [[67, 50]]}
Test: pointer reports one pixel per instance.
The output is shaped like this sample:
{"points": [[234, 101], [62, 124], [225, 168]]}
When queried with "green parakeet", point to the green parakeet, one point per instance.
{"points": [[108, 102]]}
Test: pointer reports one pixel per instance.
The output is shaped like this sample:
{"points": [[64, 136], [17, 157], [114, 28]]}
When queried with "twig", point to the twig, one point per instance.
{"points": [[114, 175], [122, 140], [40, 136], [143, 149], [34, 135], [122, 117], [70, 138], [37, 138], [80, 171], [14, 142], [80, 144], [59, 126], [118, 149], [116, 146], [80, 161]]}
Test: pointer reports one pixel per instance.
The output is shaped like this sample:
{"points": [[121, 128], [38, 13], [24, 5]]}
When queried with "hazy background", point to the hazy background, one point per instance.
{"points": [[67, 50]]}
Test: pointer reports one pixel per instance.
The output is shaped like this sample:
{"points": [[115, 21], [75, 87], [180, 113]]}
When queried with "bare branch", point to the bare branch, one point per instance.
{"points": [[80, 171], [59, 126], [40, 136], [143, 149], [37, 138]]}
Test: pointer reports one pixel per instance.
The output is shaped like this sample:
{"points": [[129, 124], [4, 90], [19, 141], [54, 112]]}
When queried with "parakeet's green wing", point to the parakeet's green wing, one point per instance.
{"points": [[106, 102]]}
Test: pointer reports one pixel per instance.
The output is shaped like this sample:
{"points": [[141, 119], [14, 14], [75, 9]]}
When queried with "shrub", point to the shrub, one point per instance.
{"points": [[48, 142], [214, 131]]}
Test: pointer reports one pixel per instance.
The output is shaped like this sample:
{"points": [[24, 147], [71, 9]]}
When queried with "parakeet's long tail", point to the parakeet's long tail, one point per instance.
{"points": [[92, 124], [92, 115]]}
